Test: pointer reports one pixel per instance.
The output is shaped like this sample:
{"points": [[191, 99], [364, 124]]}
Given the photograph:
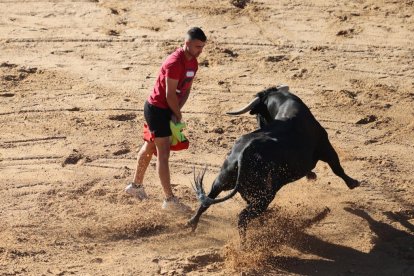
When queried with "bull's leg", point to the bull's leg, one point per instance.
{"points": [[253, 210], [330, 156], [215, 191]]}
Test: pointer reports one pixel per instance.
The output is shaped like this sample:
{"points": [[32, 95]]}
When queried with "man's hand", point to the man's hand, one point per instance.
{"points": [[175, 118]]}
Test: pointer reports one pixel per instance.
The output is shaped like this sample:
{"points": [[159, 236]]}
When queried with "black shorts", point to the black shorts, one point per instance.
{"points": [[158, 120]]}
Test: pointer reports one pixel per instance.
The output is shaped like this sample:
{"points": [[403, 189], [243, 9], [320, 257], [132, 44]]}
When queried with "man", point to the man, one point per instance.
{"points": [[170, 93]]}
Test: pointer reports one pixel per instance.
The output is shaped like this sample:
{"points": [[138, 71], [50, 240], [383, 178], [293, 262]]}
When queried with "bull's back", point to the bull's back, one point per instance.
{"points": [[283, 157]]}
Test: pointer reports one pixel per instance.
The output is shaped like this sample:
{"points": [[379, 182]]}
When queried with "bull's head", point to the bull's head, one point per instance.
{"points": [[262, 106]]}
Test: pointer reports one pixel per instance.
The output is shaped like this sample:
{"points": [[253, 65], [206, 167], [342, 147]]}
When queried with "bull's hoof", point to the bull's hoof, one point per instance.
{"points": [[311, 176], [352, 183], [191, 223]]}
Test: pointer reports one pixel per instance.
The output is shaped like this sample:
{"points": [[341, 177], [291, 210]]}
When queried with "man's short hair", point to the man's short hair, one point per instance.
{"points": [[196, 33]]}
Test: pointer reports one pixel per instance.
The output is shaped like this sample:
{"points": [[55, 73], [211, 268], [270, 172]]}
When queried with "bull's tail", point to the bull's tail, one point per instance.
{"points": [[201, 194]]}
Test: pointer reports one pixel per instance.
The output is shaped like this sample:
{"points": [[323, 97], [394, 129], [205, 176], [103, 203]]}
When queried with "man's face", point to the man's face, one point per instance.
{"points": [[195, 47]]}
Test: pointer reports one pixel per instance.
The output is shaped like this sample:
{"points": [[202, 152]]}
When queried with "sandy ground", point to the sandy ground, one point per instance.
{"points": [[74, 76]]}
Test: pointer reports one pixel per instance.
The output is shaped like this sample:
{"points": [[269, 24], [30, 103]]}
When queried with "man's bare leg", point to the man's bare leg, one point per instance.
{"points": [[143, 160], [171, 203], [163, 154]]}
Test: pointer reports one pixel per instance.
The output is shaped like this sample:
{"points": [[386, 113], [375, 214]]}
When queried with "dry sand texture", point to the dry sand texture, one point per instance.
{"points": [[74, 76]]}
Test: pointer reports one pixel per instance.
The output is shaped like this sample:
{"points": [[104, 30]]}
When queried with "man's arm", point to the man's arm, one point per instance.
{"points": [[172, 100], [184, 99]]}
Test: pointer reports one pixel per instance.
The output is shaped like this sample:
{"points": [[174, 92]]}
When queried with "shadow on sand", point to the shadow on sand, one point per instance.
{"points": [[392, 253]]}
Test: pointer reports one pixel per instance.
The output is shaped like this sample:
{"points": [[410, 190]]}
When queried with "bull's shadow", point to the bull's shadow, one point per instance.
{"points": [[392, 253], [402, 217]]}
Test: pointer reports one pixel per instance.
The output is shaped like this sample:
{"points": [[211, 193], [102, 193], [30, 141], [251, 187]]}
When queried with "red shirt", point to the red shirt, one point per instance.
{"points": [[177, 67]]}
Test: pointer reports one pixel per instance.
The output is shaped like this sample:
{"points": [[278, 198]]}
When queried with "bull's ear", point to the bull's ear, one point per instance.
{"points": [[254, 110]]}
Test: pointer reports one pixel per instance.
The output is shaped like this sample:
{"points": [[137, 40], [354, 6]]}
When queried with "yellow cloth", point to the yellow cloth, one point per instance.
{"points": [[177, 135]]}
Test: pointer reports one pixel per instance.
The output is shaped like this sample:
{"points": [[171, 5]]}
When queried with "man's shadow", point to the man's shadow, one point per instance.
{"points": [[392, 252]]}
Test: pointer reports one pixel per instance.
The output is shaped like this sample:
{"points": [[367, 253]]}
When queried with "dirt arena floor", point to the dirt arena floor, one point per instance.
{"points": [[74, 76]]}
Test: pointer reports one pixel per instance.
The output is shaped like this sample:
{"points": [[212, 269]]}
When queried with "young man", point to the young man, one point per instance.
{"points": [[170, 93]]}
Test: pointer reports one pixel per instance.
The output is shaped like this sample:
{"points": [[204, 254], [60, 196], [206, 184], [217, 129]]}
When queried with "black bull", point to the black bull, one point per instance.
{"points": [[285, 148]]}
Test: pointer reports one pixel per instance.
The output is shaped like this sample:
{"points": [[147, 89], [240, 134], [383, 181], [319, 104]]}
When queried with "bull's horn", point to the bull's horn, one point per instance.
{"points": [[248, 107]]}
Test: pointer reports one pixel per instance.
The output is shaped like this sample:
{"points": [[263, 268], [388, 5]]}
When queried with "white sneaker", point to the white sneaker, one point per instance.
{"points": [[136, 190], [174, 205]]}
